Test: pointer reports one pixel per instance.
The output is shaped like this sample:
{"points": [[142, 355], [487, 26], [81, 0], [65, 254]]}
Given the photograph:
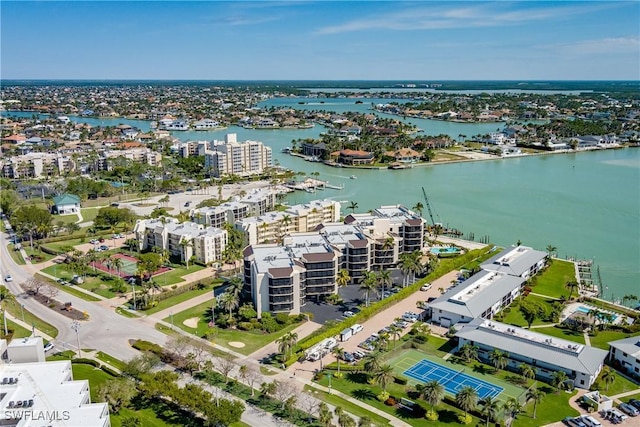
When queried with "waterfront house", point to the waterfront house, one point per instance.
{"points": [[404, 155], [544, 353], [354, 157], [66, 204]]}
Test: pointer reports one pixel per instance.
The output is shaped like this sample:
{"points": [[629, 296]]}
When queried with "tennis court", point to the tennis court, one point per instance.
{"points": [[129, 266], [451, 380]]}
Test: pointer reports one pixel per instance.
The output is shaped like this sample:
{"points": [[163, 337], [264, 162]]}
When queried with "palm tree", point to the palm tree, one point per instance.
{"points": [[353, 206], [572, 286], [512, 408], [116, 263], [92, 257], [469, 352], [338, 352], [229, 302], [608, 377], [551, 250], [395, 331], [372, 361], [498, 358], [383, 376], [432, 392], [629, 297], [286, 343], [467, 399], [490, 407], [343, 278], [185, 244], [527, 371], [384, 279], [405, 265], [369, 283], [558, 379], [537, 396], [6, 297], [235, 287], [418, 208], [324, 415], [415, 267]]}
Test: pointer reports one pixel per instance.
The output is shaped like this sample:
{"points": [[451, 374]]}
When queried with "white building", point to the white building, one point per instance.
{"points": [[138, 155], [37, 165], [237, 158], [47, 394], [545, 354], [182, 239], [23, 350], [482, 295], [625, 354], [521, 261]]}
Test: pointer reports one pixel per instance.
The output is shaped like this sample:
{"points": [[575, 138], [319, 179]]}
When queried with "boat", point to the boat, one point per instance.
{"points": [[310, 190], [353, 177]]}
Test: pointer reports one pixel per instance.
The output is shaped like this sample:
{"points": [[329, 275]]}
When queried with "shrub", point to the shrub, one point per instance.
{"points": [[109, 371], [282, 318], [465, 419], [400, 380], [143, 345], [431, 415], [270, 324], [245, 326], [390, 402], [383, 396], [338, 375], [85, 361]]}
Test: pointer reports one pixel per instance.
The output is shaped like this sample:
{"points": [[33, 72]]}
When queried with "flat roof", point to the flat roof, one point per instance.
{"points": [[515, 260], [544, 348]]}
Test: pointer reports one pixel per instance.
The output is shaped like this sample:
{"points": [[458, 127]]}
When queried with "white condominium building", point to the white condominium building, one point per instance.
{"points": [[37, 165], [257, 202], [38, 393], [237, 158], [182, 239], [138, 155]]}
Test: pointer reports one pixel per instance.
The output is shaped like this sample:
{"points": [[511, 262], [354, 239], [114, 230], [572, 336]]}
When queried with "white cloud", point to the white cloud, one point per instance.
{"points": [[461, 16], [613, 45]]}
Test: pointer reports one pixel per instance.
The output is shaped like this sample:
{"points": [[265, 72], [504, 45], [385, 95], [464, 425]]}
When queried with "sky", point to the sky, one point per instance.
{"points": [[321, 40]]}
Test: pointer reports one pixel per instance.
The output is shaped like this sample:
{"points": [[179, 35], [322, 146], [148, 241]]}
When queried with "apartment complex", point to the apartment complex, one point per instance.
{"points": [[625, 354], [182, 239], [257, 202], [37, 165], [37, 393], [520, 261], [544, 353], [107, 158], [237, 158]]}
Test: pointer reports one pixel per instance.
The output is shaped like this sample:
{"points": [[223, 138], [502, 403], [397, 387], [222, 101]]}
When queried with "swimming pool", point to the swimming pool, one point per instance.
{"points": [[587, 310], [447, 250]]}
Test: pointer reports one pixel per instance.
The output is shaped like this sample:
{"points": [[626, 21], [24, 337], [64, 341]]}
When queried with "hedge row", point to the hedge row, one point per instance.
{"points": [[110, 371], [327, 331], [143, 345], [85, 361]]}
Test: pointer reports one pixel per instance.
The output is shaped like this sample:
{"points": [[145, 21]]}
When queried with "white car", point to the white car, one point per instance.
{"points": [[49, 346], [8, 278], [426, 287], [348, 314]]}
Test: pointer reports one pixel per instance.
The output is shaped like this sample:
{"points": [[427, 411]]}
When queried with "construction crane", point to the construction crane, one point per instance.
{"points": [[426, 200]]}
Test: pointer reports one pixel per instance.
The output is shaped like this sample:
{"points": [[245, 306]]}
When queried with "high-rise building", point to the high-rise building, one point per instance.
{"points": [[237, 158]]}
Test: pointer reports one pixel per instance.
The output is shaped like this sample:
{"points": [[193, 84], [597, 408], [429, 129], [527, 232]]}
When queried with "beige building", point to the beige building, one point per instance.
{"points": [[237, 158], [37, 165], [138, 155]]}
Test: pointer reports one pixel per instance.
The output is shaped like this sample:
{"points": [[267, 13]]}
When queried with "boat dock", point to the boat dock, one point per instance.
{"points": [[310, 185]]}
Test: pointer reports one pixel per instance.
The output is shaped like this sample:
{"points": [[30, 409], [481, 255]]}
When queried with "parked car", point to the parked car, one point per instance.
{"points": [[426, 287], [101, 240], [114, 204], [49, 346], [401, 324], [635, 402], [93, 241], [8, 278], [104, 248], [574, 422], [348, 314], [187, 204], [348, 357], [359, 354], [629, 409]]}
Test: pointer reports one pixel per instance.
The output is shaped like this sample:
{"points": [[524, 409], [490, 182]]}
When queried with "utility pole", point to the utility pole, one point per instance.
{"points": [[76, 327]]}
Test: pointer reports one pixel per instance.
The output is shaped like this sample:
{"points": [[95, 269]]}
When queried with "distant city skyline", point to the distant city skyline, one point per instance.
{"points": [[324, 40]]}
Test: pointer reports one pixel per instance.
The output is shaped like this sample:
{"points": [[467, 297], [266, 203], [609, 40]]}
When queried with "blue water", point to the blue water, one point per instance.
{"points": [[437, 251], [587, 310]]}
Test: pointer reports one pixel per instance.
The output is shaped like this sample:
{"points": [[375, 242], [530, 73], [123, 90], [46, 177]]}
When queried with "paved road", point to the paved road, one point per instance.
{"points": [[106, 330]]}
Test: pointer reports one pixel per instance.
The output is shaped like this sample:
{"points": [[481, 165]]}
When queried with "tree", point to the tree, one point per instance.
{"points": [[551, 250], [531, 310], [283, 391], [432, 392], [558, 379], [498, 358], [6, 297], [225, 365], [9, 201], [229, 302], [117, 392], [629, 297], [286, 344], [395, 331], [343, 278], [372, 361], [537, 396], [185, 244], [353, 206], [512, 408], [369, 283], [490, 407], [527, 371], [384, 279], [50, 292], [572, 286], [608, 377], [324, 415], [467, 399], [383, 376], [468, 352], [116, 262], [418, 208], [338, 352]]}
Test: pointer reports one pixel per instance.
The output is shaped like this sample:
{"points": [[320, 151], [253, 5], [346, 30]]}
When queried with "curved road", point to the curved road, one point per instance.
{"points": [[105, 330]]}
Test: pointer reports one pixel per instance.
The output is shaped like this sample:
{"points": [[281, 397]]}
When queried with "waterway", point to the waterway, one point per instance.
{"points": [[586, 204]]}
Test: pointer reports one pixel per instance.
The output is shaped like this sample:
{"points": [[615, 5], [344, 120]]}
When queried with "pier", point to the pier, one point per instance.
{"points": [[310, 185]]}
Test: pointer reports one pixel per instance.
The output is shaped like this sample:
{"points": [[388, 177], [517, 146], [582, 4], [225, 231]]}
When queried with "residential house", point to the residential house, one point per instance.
{"points": [[66, 204]]}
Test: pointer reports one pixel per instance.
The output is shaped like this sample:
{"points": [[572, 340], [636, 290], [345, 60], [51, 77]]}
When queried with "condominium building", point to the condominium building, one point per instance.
{"points": [[39, 393], [355, 247], [107, 158], [257, 202], [520, 261], [182, 239], [625, 355], [237, 158], [37, 165], [544, 353]]}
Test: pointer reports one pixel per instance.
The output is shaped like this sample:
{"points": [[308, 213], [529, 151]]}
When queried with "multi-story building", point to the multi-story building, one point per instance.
{"points": [[139, 155], [625, 354], [237, 158], [37, 393], [37, 165], [354, 245], [520, 261], [190, 148], [182, 239], [544, 353]]}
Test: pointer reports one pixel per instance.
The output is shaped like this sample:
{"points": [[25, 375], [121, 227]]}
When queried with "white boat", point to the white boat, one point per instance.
{"points": [[353, 177], [310, 190]]}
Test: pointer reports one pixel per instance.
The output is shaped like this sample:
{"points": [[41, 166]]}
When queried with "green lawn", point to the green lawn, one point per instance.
{"points": [[553, 407], [72, 241], [514, 317], [620, 385], [38, 253], [67, 219], [551, 282], [175, 276], [252, 340], [603, 338], [89, 214], [15, 255], [116, 363], [349, 407], [68, 288], [18, 331], [566, 334], [99, 284], [633, 396], [17, 311], [170, 302], [95, 376]]}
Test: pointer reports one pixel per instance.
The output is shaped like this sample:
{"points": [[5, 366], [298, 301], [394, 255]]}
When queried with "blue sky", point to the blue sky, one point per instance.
{"points": [[325, 40]]}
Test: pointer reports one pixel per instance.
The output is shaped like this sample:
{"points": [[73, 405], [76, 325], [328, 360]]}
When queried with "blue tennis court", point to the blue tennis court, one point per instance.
{"points": [[451, 380]]}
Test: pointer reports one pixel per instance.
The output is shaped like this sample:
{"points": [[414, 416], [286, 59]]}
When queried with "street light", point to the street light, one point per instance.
{"points": [[133, 287], [213, 310], [22, 309], [329, 375], [76, 327], [171, 314]]}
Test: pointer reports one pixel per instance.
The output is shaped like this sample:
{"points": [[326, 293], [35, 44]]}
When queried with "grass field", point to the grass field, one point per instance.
{"points": [[15, 255], [68, 289], [603, 338], [99, 284], [351, 408], [551, 282], [170, 302], [515, 317], [17, 311], [116, 363], [620, 385], [252, 340], [67, 219], [18, 331]]}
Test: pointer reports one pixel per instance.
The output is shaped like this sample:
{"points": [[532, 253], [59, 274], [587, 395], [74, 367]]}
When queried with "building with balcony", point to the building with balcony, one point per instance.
{"points": [[237, 158], [625, 355], [37, 165], [108, 158]]}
